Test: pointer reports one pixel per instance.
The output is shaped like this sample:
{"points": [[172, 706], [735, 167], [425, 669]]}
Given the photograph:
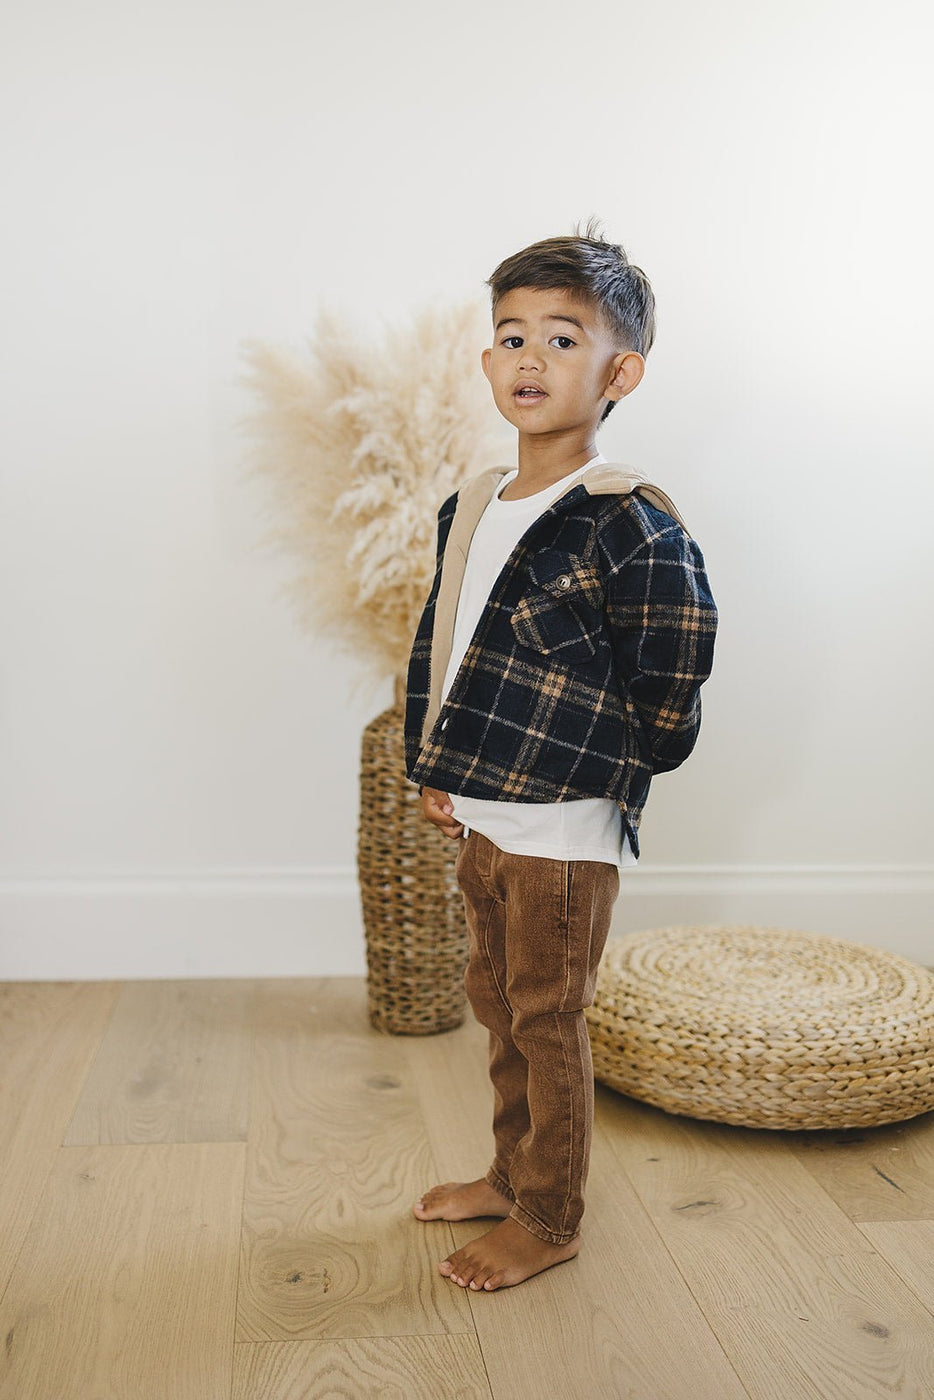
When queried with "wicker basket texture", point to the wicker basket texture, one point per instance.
{"points": [[764, 1027], [413, 911]]}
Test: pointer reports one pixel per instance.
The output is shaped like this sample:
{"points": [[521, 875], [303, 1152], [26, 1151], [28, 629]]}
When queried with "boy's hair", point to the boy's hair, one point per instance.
{"points": [[597, 271]]}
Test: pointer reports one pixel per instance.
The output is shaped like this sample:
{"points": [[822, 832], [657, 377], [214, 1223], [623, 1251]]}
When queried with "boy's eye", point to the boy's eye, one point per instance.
{"points": [[568, 342]]}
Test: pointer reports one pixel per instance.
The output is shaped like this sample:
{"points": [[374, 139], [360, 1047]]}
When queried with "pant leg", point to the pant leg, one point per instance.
{"points": [[485, 982], [542, 932]]}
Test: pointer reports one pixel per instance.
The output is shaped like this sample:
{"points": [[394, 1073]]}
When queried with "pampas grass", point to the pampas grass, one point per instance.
{"points": [[359, 442]]}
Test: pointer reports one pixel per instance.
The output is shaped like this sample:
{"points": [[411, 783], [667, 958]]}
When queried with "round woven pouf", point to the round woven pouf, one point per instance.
{"points": [[763, 1027]]}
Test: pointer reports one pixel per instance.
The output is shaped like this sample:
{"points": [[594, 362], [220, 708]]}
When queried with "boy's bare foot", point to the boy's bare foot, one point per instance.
{"points": [[506, 1255], [461, 1200]]}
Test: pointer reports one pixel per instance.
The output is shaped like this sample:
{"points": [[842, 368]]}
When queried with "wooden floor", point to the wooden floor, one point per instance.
{"points": [[207, 1190]]}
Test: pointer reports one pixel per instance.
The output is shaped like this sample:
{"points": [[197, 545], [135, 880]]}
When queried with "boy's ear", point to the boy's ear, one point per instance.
{"points": [[628, 368], [485, 359]]}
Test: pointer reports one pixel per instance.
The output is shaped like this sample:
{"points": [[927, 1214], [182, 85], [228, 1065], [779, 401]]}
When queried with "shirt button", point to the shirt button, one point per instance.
{"points": [[564, 581]]}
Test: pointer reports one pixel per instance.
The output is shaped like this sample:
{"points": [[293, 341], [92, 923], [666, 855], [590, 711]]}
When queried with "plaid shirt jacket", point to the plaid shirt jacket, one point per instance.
{"points": [[582, 678]]}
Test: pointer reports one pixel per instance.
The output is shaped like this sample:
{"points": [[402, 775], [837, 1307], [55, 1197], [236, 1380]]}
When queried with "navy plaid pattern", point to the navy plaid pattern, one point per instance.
{"points": [[583, 675]]}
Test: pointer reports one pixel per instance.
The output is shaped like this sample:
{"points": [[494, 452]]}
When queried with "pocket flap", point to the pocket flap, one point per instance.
{"points": [[567, 576]]}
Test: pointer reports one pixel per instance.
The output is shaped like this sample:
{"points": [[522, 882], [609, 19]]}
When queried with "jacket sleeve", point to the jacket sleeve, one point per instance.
{"points": [[663, 622]]}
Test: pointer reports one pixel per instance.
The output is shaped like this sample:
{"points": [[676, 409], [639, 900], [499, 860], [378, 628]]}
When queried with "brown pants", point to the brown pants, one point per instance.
{"points": [[537, 930]]}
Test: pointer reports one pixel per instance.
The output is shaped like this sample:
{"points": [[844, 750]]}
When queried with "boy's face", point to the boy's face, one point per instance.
{"points": [[555, 340]]}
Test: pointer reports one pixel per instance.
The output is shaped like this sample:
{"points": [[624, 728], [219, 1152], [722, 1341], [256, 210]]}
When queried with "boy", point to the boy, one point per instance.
{"points": [[556, 668]]}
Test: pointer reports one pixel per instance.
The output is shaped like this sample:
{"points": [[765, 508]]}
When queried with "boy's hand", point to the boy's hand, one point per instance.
{"points": [[437, 807]]}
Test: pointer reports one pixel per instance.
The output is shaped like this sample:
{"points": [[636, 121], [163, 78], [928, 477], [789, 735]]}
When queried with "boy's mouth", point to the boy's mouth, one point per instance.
{"points": [[529, 393]]}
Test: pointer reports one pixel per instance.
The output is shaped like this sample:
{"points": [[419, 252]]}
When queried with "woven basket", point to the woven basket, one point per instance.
{"points": [[413, 911], [764, 1028]]}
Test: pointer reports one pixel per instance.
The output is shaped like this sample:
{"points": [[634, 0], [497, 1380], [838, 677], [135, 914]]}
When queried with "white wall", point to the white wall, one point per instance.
{"points": [[179, 762]]}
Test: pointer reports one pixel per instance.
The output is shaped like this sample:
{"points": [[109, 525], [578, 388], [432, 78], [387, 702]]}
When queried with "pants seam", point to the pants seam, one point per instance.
{"points": [[566, 871], [567, 934], [567, 1076], [489, 956]]}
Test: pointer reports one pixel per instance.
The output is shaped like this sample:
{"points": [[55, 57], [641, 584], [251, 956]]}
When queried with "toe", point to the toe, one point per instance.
{"points": [[446, 1267], [494, 1281]]}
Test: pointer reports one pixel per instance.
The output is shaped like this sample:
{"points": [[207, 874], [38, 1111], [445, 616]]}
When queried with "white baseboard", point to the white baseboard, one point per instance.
{"points": [[887, 906], [307, 922]]}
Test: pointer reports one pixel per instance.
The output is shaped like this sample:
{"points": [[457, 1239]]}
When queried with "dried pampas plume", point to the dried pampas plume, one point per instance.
{"points": [[360, 443]]}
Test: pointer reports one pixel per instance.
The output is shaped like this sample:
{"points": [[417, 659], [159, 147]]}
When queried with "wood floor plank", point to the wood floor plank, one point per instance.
{"points": [[49, 1033], [368, 1368], [451, 1077], [799, 1300], [618, 1319], [908, 1246], [174, 1066], [337, 1154], [884, 1173], [126, 1283]]}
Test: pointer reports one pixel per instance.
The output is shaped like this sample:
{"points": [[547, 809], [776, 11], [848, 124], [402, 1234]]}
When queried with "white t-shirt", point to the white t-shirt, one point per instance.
{"points": [[589, 828]]}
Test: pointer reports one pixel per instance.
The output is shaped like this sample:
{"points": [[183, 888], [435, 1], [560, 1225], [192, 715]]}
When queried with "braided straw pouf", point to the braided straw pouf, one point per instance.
{"points": [[413, 911], [764, 1028]]}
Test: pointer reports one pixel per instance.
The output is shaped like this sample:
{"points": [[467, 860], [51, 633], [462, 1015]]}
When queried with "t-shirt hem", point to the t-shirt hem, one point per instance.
{"points": [[594, 853]]}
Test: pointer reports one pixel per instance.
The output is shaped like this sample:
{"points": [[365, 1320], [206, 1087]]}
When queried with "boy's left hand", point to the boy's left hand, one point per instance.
{"points": [[437, 807]]}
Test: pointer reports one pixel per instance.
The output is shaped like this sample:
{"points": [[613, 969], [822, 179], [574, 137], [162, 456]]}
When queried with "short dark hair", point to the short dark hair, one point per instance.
{"points": [[598, 271]]}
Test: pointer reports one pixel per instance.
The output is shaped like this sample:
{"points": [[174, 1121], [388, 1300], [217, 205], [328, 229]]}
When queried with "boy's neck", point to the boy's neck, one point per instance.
{"points": [[541, 464]]}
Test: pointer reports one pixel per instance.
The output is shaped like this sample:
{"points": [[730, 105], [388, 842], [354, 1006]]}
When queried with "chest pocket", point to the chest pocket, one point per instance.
{"points": [[560, 614]]}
